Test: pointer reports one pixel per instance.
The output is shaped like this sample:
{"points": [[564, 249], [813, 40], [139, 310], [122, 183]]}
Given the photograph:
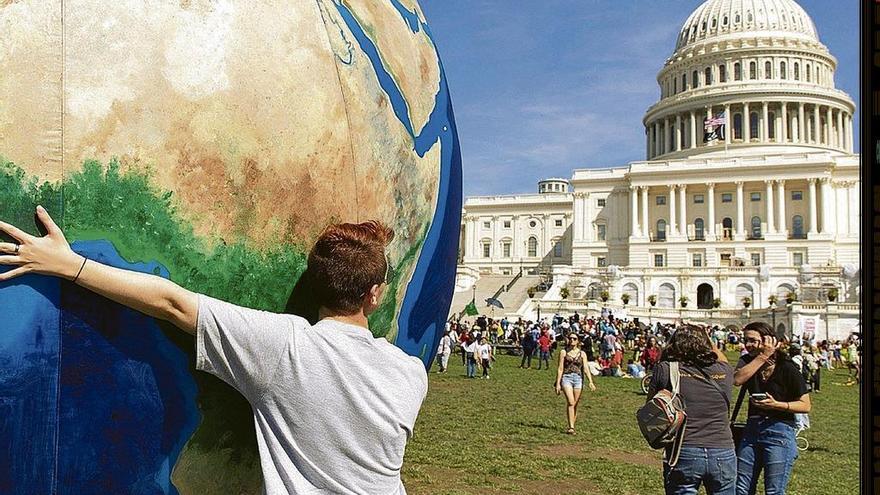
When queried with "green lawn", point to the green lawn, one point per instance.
{"points": [[506, 435]]}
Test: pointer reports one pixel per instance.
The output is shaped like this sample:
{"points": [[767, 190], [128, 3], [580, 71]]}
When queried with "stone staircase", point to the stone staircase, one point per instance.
{"points": [[510, 290]]}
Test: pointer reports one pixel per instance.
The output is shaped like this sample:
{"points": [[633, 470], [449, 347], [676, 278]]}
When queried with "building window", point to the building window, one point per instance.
{"points": [[658, 260], [661, 200], [600, 203], [737, 72], [505, 271], [797, 195], [699, 229], [533, 247], [487, 225], [557, 249], [797, 72], [697, 260], [736, 19], [661, 230], [699, 199], [505, 248], [487, 250], [600, 232], [558, 223], [601, 262], [507, 224], [753, 70], [722, 73], [755, 196], [725, 259], [695, 80], [756, 228], [674, 85], [684, 82], [797, 259], [533, 223], [737, 126], [782, 74], [807, 71], [756, 259], [797, 227], [726, 197], [707, 75], [768, 70], [727, 228], [753, 125]]}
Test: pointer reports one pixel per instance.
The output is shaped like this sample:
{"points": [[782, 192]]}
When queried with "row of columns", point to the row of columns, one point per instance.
{"points": [[776, 219], [837, 132]]}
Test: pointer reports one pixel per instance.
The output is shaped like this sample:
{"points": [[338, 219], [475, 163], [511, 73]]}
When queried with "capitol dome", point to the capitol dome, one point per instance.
{"points": [[756, 72], [726, 18]]}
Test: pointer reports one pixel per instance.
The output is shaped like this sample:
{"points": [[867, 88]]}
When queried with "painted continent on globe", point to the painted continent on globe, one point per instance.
{"points": [[208, 142]]}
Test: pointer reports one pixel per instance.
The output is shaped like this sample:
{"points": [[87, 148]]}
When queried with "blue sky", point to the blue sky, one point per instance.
{"points": [[542, 87]]}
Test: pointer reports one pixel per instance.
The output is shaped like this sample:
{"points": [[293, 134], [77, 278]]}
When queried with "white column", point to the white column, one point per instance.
{"points": [[784, 111], [828, 133], [678, 132], [514, 249], [666, 135], [740, 227], [471, 248], [812, 193], [827, 211], [728, 125], [747, 123], [578, 216], [682, 210], [771, 225], [693, 143], [634, 210], [545, 237], [780, 198], [852, 215], [849, 130], [495, 250], [587, 224], [644, 222], [647, 143], [801, 127], [711, 211], [840, 129], [657, 139], [670, 229], [764, 124], [816, 135]]}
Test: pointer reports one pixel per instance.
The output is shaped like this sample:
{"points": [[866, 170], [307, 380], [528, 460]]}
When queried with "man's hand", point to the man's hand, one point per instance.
{"points": [[769, 346], [47, 255]]}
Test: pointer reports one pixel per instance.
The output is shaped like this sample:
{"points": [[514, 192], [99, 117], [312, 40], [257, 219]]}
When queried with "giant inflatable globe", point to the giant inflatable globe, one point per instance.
{"points": [[208, 142]]}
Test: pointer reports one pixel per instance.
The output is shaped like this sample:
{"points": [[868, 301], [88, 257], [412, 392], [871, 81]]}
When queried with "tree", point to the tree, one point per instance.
{"points": [[625, 299], [652, 300], [683, 300]]}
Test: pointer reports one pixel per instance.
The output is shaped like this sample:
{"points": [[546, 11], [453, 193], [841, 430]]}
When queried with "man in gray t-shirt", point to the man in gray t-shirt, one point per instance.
{"points": [[333, 406]]}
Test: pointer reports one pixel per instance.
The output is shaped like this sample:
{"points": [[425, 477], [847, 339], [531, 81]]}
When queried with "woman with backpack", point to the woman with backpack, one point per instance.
{"points": [[707, 456], [768, 443]]}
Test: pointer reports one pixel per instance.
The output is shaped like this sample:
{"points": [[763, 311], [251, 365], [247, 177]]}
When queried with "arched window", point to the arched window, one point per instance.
{"points": [[737, 72], [727, 228], [768, 70], [533, 246], [807, 70], [743, 291], [724, 21], [771, 125], [707, 75], [797, 227], [699, 229], [797, 72], [674, 85], [666, 296], [661, 230], [753, 70], [722, 73], [736, 19], [632, 291], [782, 74], [695, 79], [756, 227], [737, 126], [753, 125], [684, 82]]}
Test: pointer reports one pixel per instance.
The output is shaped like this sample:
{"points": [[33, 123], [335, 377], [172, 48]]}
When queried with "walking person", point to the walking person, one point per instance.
{"points": [[484, 355], [469, 349], [708, 455], [768, 442], [443, 351], [528, 348], [570, 377], [544, 348], [279, 362]]}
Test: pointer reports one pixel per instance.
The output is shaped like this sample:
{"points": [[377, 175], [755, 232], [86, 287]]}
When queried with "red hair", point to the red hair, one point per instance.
{"points": [[346, 261]]}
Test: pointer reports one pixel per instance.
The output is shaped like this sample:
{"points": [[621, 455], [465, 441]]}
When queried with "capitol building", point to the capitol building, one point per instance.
{"points": [[705, 231]]}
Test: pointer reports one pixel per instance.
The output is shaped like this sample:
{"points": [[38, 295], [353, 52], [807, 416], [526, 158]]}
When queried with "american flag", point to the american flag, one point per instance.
{"points": [[715, 121]]}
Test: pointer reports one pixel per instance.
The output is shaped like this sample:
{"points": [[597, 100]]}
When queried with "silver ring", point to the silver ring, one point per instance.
{"points": [[17, 247]]}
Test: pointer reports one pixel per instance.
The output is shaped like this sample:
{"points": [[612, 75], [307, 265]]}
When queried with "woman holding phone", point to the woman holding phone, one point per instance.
{"points": [[570, 377], [777, 391]]}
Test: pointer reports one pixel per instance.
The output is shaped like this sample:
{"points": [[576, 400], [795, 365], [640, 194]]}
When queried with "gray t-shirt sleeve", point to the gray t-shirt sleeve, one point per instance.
{"points": [[241, 346]]}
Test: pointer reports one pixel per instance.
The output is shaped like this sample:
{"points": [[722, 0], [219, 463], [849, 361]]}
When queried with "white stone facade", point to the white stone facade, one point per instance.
{"points": [[773, 208]]}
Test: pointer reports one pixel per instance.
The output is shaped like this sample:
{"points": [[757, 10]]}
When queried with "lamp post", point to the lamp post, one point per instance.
{"points": [[773, 317]]}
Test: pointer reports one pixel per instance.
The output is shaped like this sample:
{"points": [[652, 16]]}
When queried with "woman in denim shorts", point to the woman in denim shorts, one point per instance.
{"points": [[570, 377]]}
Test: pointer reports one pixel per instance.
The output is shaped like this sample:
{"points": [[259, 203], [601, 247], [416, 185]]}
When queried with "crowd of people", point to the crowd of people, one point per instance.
{"points": [[779, 376]]}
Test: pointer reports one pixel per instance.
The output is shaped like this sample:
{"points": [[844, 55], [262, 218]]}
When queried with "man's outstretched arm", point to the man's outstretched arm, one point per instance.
{"points": [[51, 255]]}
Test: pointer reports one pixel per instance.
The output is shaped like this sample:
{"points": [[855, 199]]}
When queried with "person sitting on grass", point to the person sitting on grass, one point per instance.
{"points": [[570, 377], [634, 369], [340, 428]]}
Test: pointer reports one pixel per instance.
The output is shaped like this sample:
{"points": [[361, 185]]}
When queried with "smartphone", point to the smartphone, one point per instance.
{"points": [[758, 396]]}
